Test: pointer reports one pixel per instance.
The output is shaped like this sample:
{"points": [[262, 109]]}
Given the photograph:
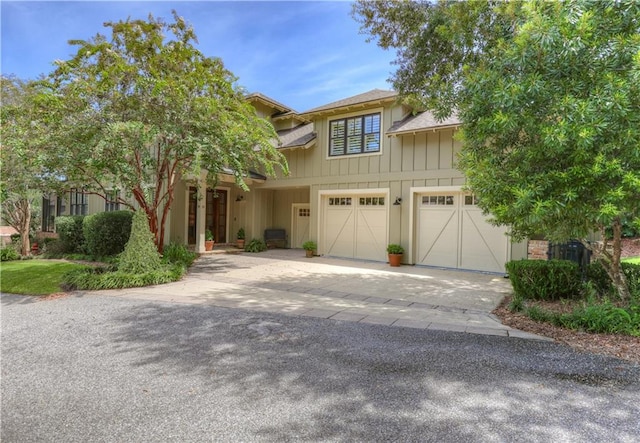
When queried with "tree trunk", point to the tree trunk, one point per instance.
{"points": [[611, 261], [617, 275], [24, 232]]}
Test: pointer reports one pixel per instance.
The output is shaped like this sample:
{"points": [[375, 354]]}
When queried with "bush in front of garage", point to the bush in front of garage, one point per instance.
{"points": [[544, 279]]}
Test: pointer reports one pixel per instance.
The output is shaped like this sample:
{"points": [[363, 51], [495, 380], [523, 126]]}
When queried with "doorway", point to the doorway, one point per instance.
{"points": [[215, 214]]}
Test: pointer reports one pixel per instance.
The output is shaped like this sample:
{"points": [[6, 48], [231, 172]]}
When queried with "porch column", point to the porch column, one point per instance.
{"points": [[202, 212]]}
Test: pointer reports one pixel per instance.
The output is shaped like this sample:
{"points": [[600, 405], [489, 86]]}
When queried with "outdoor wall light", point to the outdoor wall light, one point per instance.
{"points": [[240, 198], [397, 202]]}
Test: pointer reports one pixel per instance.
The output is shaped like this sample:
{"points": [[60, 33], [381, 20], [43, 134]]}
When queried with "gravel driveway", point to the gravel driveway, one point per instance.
{"points": [[98, 368]]}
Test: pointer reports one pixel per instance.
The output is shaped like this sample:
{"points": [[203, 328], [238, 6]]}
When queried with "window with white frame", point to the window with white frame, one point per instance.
{"points": [[354, 135]]}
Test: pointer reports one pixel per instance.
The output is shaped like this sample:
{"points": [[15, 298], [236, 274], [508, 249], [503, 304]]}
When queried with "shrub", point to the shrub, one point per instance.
{"points": [[106, 278], [602, 283], [256, 245], [54, 249], [544, 280], [107, 233], [69, 229], [9, 253], [178, 254], [603, 318], [140, 255]]}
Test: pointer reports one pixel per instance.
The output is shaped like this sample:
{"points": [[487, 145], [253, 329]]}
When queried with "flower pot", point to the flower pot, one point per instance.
{"points": [[240, 243], [395, 259], [208, 245], [310, 253]]}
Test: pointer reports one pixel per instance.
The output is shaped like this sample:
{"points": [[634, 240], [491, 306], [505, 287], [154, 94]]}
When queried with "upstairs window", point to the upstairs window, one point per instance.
{"points": [[354, 135]]}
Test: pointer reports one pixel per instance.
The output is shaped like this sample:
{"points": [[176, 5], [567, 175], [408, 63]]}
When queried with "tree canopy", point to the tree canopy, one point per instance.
{"points": [[143, 108], [552, 123], [435, 42], [548, 93], [23, 119]]}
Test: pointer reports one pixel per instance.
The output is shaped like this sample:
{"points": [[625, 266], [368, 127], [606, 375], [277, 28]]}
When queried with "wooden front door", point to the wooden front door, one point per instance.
{"points": [[193, 215], [216, 218]]}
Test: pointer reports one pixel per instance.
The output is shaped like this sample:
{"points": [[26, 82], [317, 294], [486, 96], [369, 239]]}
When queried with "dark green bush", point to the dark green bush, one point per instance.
{"points": [[107, 233], [54, 249], [9, 253], [602, 283], [255, 245], [69, 229], [178, 254], [544, 280], [140, 255]]}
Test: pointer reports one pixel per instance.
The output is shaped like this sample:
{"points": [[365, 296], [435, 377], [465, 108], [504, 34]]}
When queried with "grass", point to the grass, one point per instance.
{"points": [[33, 277], [635, 260]]}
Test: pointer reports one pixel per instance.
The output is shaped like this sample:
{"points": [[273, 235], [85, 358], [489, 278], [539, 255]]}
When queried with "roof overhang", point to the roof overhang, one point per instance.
{"points": [[421, 130]]}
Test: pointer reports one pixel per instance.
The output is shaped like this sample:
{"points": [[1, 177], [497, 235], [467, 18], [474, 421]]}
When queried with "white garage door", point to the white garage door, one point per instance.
{"points": [[453, 233], [355, 227]]}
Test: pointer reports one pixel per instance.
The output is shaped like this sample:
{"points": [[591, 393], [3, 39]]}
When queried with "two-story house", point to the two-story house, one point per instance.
{"points": [[364, 172]]}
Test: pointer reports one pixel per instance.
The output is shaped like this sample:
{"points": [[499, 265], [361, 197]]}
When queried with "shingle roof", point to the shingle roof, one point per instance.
{"points": [[421, 122], [374, 95], [298, 137], [269, 101], [252, 174]]}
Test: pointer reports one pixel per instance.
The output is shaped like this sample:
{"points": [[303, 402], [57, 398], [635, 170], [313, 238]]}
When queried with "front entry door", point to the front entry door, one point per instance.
{"points": [[216, 214], [193, 215], [216, 219]]}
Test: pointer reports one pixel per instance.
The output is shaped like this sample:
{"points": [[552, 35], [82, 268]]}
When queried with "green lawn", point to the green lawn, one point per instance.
{"points": [[635, 260], [33, 277]]}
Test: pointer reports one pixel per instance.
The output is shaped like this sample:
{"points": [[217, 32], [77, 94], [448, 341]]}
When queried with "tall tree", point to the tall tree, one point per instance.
{"points": [[549, 100], [552, 125], [143, 108], [23, 120]]}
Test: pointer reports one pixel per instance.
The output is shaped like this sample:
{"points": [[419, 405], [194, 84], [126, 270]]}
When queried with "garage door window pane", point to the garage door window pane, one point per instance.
{"points": [[438, 200]]}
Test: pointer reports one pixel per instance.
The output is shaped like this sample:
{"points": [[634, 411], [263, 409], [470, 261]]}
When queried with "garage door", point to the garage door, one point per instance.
{"points": [[355, 227], [452, 232]]}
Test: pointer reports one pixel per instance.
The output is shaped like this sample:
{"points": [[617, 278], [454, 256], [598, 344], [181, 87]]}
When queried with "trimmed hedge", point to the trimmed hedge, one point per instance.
{"points": [[544, 280], [107, 233], [69, 229]]}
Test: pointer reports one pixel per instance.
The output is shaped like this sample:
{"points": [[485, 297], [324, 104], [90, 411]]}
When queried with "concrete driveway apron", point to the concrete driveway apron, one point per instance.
{"points": [[284, 281]]}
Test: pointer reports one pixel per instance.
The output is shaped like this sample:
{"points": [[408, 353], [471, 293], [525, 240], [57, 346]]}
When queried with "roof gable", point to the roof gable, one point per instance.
{"points": [[361, 100]]}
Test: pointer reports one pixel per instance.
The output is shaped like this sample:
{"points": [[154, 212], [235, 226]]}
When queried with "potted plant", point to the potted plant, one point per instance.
{"points": [[240, 239], [311, 247], [395, 254], [208, 240]]}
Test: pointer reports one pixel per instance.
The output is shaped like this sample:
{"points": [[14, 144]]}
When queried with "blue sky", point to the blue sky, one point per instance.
{"points": [[303, 54]]}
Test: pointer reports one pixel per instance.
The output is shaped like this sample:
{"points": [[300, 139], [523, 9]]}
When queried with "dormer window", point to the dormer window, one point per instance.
{"points": [[354, 135]]}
